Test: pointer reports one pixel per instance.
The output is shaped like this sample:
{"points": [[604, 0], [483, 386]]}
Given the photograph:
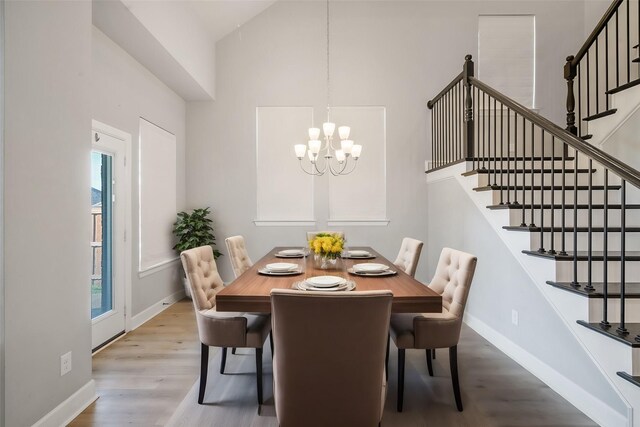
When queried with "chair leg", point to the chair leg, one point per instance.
{"points": [[429, 364], [204, 367], [223, 359], [259, 374], [273, 349], [233, 350], [453, 361], [386, 359], [400, 378], [434, 354]]}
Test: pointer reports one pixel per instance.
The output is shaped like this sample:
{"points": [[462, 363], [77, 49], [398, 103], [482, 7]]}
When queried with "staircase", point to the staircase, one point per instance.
{"points": [[568, 211]]}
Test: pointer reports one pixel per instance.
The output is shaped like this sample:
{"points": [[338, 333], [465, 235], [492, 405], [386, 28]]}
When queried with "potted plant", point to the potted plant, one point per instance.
{"points": [[192, 231]]}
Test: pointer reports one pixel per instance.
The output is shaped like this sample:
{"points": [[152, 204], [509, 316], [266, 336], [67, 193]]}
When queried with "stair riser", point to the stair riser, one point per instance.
{"points": [[583, 196], [517, 164], [632, 217], [632, 310], [613, 244], [564, 271]]}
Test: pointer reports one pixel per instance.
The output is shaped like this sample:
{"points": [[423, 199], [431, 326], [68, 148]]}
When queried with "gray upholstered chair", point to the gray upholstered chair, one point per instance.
{"points": [[312, 234], [409, 256], [428, 331], [220, 329], [329, 367], [238, 255]]}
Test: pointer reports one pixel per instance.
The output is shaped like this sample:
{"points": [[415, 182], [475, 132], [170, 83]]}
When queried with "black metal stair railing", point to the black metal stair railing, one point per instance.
{"points": [[603, 65], [546, 174]]}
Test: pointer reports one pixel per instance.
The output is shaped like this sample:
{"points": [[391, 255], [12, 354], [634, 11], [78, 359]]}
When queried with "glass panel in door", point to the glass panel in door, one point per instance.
{"points": [[102, 233]]}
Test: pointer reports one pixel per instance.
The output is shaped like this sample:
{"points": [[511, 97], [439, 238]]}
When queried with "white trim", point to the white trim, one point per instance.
{"points": [[155, 309], [284, 223], [591, 406], [349, 222], [65, 412], [157, 267]]}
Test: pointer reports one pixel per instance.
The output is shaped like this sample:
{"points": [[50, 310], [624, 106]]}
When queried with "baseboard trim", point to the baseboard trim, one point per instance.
{"points": [[65, 412], [588, 404], [155, 309]]}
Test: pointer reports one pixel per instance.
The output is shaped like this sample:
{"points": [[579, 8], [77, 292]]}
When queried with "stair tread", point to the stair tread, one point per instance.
{"points": [[570, 229], [620, 88], [546, 187], [611, 331], [631, 378], [587, 136], [632, 290], [559, 206], [519, 158], [520, 171], [636, 60], [600, 115], [584, 255]]}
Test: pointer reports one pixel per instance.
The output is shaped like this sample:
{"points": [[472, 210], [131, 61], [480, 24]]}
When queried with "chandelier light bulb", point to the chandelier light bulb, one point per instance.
{"points": [[312, 157], [314, 133], [356, 150], [344, 132], [328, 129], [340, 156], [346, 145], [314, 146], [301, 149]]}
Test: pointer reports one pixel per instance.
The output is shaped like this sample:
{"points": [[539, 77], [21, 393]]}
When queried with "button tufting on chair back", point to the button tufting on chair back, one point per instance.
{"points": [[238, 255], [203, 276], [452, 279], [409, 255]]}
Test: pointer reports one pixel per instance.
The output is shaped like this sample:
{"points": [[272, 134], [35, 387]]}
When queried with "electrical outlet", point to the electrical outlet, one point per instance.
{"points": [[65, 364], [514, 317]]}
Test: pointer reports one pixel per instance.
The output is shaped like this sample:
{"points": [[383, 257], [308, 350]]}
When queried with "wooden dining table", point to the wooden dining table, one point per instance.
{"points": [[250, 292]]}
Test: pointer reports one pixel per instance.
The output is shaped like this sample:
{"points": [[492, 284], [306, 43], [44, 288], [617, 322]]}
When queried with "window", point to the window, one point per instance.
{"points": [[157, 195], [506, 55]]}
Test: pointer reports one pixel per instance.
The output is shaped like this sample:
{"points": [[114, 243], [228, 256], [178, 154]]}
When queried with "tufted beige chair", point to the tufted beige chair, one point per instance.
{"points": [[452, 280], [220, 329], [315, 385], [238, 255], [409, 255], [312, 234]]}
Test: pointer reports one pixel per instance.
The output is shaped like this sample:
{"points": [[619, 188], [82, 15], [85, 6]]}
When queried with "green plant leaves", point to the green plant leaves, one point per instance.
{"points": [[194, 230]]}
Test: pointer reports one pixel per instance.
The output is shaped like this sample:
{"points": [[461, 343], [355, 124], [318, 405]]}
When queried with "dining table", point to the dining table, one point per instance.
{"points": [[251, 291]]}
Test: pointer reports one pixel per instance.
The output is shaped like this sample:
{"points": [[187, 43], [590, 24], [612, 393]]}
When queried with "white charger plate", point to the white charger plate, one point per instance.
{"points": [[358, 253], [325, 281], [279, 273], [281, 266], [346, 286], [291, 252], [369, 267], [376, 274]]}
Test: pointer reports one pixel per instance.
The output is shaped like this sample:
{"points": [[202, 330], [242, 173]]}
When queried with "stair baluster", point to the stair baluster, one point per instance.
{"points": [[605, 248], [541, 249], [623, 214], [575, 220], [589, 286], [553, 195]]}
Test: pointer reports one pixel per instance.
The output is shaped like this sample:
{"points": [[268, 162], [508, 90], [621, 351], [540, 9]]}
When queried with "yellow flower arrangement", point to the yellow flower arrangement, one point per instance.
{"points": [[327, 245]]}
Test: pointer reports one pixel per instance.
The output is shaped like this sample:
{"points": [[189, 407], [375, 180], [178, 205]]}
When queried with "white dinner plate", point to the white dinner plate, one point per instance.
{"points": [[358, 253], [370, 267], [325, 281], [376, 274], [346, 286], [279, 273], [291, 252], [281, 266]]}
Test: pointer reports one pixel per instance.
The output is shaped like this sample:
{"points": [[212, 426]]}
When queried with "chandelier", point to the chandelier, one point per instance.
{"points": [[316, 147]]}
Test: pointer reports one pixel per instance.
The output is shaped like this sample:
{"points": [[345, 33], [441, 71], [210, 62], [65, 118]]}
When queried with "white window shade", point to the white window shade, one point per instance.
{"points": [[284, 192], [157, 174], [506, 55], [362, 195]]}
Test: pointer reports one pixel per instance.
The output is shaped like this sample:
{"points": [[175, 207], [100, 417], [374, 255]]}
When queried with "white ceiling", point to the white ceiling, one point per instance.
{"points": [[221, 17]]}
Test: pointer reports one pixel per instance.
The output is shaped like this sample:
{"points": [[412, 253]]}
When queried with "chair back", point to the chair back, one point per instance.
{"points": [[329, 365], [409, 256], [453, 278], [238, 255], [312, 234], [203, 277]]}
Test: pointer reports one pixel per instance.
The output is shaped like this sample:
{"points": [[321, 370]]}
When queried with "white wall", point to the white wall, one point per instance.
{"points": [[500, 285], [46, 204], [122, 91], [387, 53]]}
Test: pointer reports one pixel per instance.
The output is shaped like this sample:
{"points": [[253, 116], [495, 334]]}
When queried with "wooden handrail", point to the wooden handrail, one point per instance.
{"points": [[613, 7], [616, 166], [446, 89]]}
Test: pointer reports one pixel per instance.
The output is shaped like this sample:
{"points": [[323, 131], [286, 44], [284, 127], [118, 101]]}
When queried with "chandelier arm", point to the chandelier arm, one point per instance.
{"points": [[312, 173]]}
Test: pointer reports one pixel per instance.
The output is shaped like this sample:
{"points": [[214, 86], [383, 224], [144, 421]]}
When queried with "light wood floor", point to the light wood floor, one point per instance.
{"points": [[150, 378]]}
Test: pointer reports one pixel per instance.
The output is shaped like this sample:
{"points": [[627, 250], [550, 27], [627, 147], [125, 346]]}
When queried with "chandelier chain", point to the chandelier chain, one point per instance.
{"points": [[328, 64]]}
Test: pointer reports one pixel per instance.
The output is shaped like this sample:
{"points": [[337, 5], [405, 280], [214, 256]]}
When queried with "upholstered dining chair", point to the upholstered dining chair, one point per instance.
{"points": [[220, 329], [409, 256], [312, 234], [238, 255], [452, 280], [329, 367]]}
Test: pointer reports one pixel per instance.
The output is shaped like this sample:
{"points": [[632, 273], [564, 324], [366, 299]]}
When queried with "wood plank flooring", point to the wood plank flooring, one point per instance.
{"points": [[149, 378]]}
